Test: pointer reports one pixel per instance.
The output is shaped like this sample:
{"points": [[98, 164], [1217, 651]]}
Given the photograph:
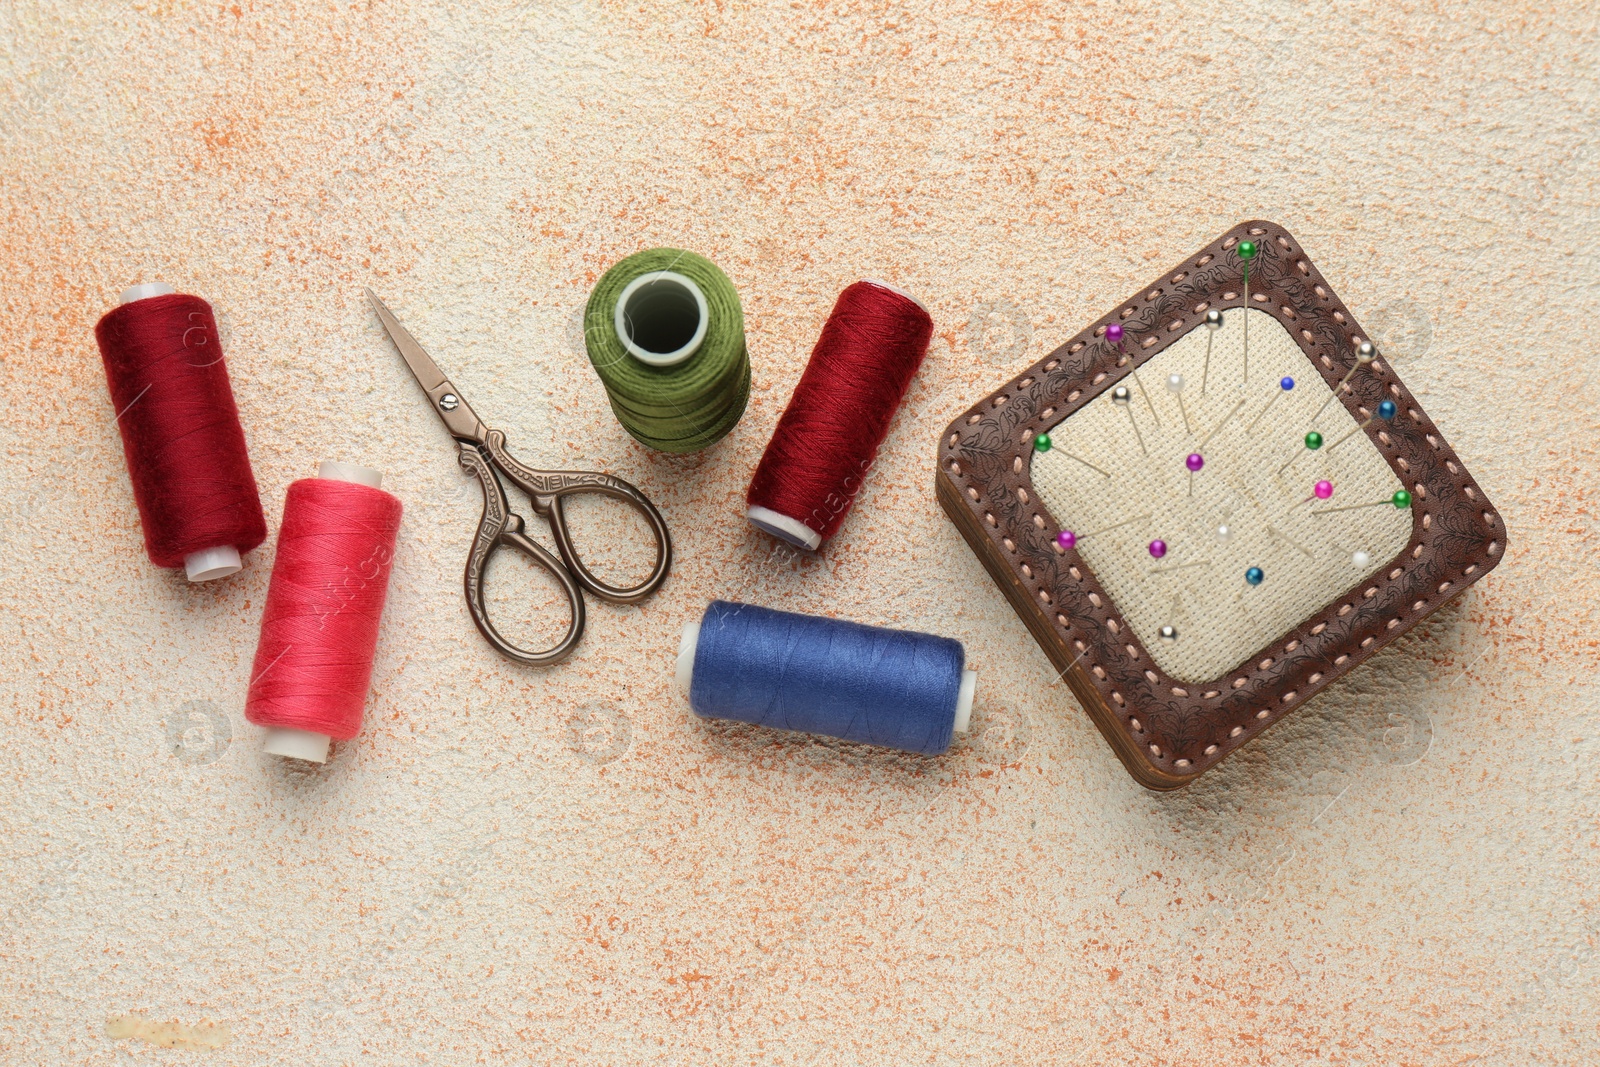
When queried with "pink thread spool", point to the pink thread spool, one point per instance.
{"points": [[319, 631]]}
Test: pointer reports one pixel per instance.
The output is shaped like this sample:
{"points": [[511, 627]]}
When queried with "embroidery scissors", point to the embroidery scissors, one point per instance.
{"points": [[482, 452]]}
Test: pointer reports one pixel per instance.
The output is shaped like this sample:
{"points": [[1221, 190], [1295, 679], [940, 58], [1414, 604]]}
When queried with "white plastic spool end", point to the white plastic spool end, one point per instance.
{"points": [[209, 563], [895, 289], [688, 645], [784, 528], [144, 291], [661, 318], [335, 471], [969, 686], [297, 744]]}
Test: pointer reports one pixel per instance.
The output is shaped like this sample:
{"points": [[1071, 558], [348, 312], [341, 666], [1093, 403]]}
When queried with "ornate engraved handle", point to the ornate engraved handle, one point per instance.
{"points": [[500, 527], [549, 490]]}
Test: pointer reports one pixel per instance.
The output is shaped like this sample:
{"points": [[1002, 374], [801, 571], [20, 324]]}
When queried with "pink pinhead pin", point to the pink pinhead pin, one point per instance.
{"points": [[1321, 491]]}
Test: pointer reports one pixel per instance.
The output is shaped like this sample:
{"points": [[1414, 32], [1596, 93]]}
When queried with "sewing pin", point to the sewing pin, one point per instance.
{"points": [[1386, 411], [1247, 252], [1313, 442], [1321, 491], [1086, 463], [1220, 425], [1401, 499], [1285, 384], [1274, 531], [1179, 567], [1365, 354], [1194, 462], [1121, 396], [1114, 334], [1175, 387], [1213, 324], [1068, 540]]}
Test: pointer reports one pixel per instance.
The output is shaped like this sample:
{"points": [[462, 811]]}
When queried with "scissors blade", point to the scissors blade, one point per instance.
{"points": [[447, 402]]}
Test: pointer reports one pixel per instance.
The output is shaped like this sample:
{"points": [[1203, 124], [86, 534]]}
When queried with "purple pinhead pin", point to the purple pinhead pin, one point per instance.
{"points": [[1195, 461], [1158, 548], [1323, 489], [1067, 539], [1114, 333]]}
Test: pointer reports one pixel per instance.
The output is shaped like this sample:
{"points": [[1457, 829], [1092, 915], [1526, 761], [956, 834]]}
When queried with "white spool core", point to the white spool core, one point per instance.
{"points": [[297, 744], [690, 643], [335, 471], [661, 318], [306, 744], [783, 527], [896, 289], [209, 563], [143, 291], [969, 686], [687, 646]]}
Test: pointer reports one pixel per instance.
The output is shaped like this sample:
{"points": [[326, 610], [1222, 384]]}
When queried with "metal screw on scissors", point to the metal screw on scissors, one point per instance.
{"points": [[482, 452]]}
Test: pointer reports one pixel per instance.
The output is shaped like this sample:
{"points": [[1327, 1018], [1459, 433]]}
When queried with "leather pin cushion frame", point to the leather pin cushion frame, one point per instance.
{"points": [[1167, 733]]}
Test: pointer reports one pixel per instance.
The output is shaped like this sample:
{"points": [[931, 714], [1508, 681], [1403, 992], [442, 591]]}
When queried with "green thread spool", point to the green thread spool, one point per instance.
{"points": [[665, 333]]}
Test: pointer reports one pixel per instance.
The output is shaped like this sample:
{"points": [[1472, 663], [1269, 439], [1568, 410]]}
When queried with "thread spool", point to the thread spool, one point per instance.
{"points": [[869, 349], [665, 333], [319, 631], [893, 688], [197, 497]]}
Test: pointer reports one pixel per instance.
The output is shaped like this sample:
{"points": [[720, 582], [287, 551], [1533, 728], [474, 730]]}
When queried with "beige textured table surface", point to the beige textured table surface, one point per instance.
{"points": [[531, 867]]}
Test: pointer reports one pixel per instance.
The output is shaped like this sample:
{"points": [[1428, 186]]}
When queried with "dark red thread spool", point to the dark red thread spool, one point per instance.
{"points": [[862, 365], [186, 454], [319, 630]]}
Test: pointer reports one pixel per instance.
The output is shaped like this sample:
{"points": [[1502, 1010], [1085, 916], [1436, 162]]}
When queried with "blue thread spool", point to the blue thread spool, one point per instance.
{"points": [[894, 688]]}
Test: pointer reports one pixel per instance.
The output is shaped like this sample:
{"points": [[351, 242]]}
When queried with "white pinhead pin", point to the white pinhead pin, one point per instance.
{"points": [[1175, 387]]}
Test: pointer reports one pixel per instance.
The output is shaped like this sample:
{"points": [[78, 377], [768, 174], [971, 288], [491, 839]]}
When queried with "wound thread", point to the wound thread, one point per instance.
{"points": [[677, 374], [862, 365], [893, 688], [180, 429], [319, 631]]}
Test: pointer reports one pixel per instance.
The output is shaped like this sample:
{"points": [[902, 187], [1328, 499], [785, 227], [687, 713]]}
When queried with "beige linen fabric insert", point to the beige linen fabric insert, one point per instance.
{"points": [[1199, 587]]}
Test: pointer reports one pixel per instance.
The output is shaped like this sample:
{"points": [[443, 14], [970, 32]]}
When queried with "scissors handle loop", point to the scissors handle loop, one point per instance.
{"points": [[498, 527], [549, 491]]}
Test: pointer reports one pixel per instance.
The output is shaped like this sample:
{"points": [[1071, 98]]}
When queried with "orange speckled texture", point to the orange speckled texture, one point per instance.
{"points": [[562, 867]]}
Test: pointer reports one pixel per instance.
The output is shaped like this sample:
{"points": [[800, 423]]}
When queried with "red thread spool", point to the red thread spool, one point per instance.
{"points": [[186, 454], [320, 628], [860, 369]]}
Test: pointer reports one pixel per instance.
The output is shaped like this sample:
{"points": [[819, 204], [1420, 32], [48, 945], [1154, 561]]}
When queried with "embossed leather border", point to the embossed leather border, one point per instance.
{"points": [[1167, 733]]}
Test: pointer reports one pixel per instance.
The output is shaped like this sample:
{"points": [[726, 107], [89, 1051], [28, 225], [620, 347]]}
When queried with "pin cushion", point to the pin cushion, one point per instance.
{"points": [[1192, 558]]}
